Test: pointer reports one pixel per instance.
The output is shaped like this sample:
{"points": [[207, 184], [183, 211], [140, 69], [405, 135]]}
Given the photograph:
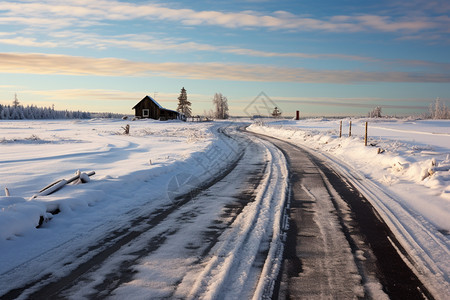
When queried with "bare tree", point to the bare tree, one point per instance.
{"points": [[375, 113], [184, 106], [438, 110], [221, 106]]}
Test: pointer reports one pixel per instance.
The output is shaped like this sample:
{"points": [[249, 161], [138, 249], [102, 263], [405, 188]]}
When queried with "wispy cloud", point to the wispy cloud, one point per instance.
{"points": [[35, 63], [27, 42], [109, 95], [57, 14], [155, 44], [360, 102], [142, 42]]}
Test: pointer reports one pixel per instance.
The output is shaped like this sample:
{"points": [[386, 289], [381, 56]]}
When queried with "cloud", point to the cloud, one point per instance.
{"points": [[108, 95], [359, 102], [83, 13], [71, 39], [87, 94], [37, 63], [27, 42], [149, 43]]}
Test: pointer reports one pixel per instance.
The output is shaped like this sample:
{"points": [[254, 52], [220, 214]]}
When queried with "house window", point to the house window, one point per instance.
{"points": [[145, 112]]}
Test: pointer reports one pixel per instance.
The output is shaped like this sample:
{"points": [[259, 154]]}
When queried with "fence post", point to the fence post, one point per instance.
{"points": [[340, 129], [365, 136], [350, 129]]}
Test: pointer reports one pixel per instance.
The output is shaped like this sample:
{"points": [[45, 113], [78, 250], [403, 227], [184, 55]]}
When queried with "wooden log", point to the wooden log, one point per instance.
{"points": [[350, 129], [50, 185], [54, 188], [77, 175], [340, 129], [72, 179], [57, 185]]}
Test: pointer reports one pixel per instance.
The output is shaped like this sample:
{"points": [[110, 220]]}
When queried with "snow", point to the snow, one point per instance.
{"points": [[404, 171], [130, 170], [405, 174]]}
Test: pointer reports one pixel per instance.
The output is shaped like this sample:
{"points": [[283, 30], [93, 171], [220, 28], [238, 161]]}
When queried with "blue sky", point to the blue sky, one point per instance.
{"points": [[320, 57]]}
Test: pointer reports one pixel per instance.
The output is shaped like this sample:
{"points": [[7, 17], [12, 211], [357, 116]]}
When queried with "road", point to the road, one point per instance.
{"points": [[230, 238], [337, 246]]}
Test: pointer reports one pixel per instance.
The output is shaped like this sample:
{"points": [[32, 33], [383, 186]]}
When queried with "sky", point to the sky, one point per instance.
{"points": [[323, 58]]}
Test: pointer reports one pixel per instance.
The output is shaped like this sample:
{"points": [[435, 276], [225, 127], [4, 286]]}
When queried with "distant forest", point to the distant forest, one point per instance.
{"points": [[20, 112]]}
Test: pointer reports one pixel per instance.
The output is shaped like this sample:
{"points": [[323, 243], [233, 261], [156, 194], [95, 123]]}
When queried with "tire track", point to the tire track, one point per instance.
{"points": [[230, 265]]}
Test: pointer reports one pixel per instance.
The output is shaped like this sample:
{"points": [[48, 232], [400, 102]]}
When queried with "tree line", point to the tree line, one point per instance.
{"points": [[16, 111], [32, 112], [437, 110]]}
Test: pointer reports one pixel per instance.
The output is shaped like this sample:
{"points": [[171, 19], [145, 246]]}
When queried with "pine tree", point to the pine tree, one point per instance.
{"points": [[16, 101], [184, 106]]}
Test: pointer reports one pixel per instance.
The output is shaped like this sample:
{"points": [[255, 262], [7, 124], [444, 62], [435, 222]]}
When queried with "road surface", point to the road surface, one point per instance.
{"points": [[337, 246]]}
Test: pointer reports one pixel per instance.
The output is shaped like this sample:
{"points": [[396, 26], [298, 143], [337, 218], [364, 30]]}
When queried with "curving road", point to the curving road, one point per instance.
{"points": [[231, 238], [337, 246]]}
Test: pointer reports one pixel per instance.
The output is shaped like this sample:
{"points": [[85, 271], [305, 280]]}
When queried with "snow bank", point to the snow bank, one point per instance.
{"points": [[404, 173], [409, 158], [18, 215]]}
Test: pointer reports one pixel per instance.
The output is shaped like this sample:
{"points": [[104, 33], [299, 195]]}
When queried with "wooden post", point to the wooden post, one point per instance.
{"points": [[340, 129], [365, 137], [297, 116], [350, 129]]}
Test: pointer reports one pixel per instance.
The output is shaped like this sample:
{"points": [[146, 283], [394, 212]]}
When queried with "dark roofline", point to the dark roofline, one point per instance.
{"points": [[154, 101], [172, 111]]}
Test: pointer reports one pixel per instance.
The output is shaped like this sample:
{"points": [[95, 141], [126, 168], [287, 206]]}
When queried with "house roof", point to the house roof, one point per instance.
{"points": [[172, 111], [151, 99]]}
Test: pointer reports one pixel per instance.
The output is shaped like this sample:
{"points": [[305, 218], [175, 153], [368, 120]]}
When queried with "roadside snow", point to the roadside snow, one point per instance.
{"points": [[404, 171]]}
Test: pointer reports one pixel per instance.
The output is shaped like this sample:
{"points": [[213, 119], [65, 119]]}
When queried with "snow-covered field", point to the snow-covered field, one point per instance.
{"points": [[138, 176], [404, 171], [130, 170]]}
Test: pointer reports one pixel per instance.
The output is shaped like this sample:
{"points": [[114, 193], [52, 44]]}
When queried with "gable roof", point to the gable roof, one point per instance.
{"points": [[151, 99]]}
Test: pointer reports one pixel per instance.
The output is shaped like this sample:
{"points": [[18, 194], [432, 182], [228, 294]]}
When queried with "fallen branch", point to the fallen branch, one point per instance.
{"points": [[59, 184]]}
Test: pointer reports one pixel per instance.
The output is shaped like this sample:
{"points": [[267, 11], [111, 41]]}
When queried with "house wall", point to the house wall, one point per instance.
{"points": [[154, 110], [168, 115]]}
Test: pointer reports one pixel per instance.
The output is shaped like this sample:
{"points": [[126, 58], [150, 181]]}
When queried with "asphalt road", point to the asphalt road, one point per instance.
{"points": [[337, 246]]}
